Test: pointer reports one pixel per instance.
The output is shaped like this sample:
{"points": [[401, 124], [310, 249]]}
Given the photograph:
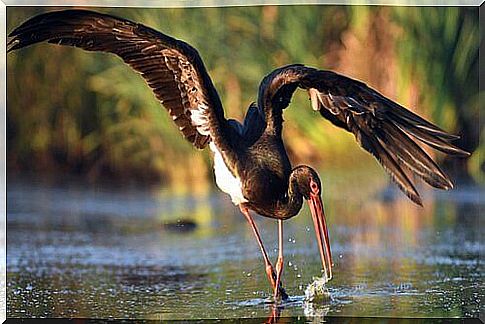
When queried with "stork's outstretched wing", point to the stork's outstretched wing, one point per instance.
{"points": [[382, 127], [172, 68]]}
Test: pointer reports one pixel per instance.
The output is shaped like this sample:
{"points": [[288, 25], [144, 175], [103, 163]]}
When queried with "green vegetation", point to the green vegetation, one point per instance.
{"points": [[87, 113]]}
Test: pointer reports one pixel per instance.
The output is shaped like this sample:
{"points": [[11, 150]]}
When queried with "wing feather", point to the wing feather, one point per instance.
{"points": [[384, 154], [381, 126], [172, 68]]}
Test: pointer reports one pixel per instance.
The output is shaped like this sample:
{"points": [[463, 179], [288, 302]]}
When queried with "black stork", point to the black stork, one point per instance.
{"points": [[250, 160]]}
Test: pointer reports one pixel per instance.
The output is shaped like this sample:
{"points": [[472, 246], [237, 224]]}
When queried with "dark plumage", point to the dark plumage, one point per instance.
{"points": [[172, 68], [382, 127], [250, 158]]}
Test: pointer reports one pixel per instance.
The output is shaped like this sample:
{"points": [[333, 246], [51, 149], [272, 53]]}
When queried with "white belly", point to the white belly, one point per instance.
{"points": [[224, 178]]}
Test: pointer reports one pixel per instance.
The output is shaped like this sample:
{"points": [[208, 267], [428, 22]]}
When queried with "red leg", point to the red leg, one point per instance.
{"points": [[279, 262], [274, 316], [268, 266]]}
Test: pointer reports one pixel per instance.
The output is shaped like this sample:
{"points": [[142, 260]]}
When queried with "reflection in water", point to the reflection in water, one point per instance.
{"points": [[108, 252], [275, 314], [315, 312]]}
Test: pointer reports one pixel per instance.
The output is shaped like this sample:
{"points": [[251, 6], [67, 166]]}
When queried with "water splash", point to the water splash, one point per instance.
{"points": [[317, 290]]}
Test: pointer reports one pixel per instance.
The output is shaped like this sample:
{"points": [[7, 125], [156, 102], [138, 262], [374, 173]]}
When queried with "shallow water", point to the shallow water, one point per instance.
{"points": [[103, 252]]}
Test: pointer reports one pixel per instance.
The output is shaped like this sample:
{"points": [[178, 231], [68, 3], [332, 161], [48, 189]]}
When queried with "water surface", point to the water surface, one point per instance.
{"points": [[107, 252]]}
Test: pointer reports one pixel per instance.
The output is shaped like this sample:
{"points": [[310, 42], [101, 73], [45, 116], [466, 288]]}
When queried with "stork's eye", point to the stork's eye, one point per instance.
{"points": [[314, 187]]}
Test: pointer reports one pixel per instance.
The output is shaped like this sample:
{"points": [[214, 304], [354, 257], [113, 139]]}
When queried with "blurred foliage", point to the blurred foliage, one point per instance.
{"points": [[73, 111], [448, 70]]}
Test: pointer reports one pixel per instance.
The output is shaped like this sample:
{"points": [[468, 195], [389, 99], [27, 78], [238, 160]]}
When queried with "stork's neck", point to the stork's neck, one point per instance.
{"points": [[274, 120], [291, 203], [272, 111]]}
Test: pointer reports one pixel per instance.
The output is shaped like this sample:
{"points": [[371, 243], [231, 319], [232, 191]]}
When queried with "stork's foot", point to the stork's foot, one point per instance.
{"points": [[281, 293], [272, 279]]}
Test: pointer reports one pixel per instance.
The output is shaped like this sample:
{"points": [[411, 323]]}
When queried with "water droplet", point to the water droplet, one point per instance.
{"points": [[308, 229], [290, 264], [298, 275], [340, 256], [249, 274]]}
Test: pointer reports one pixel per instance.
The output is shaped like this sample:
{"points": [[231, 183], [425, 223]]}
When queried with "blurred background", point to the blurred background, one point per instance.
{"points": [[111, 213], [81, 113]]}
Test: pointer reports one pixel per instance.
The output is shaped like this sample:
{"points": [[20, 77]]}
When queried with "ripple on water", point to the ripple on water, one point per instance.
{"points": [[108, 255]]}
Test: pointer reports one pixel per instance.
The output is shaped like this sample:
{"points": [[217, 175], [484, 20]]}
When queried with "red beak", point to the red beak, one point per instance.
{"points": [[318, 215]]}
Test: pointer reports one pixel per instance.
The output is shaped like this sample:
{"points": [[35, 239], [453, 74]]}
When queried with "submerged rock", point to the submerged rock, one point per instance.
{"points": [[181, 225]]}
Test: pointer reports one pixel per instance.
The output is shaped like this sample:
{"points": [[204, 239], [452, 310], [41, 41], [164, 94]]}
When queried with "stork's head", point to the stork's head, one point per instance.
{"points": [[310, 187], [308, 181]]}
